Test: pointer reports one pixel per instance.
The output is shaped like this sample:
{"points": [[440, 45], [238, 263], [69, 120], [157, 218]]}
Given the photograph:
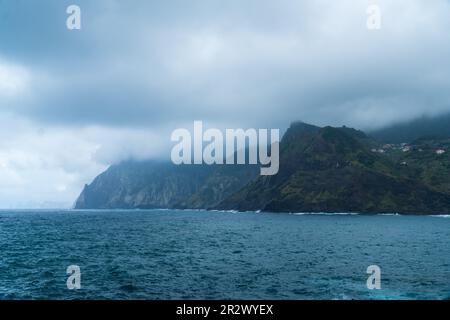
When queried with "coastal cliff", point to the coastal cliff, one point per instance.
{"points": [[321, 170]]}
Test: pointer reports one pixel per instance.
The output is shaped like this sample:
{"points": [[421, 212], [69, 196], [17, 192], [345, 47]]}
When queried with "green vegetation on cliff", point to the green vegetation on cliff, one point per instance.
{"points": [[321, 170]]}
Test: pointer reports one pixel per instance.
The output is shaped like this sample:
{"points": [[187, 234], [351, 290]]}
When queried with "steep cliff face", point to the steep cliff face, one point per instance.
{"points": [[321, 170], [151, 184], [333, 170]]}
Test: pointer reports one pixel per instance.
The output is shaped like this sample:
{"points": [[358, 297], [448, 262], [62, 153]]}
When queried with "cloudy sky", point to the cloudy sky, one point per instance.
{"points": [[74, 102]]}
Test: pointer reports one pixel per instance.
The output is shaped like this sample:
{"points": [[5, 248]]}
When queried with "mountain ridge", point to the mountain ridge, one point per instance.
{"points": [[322, 169]]}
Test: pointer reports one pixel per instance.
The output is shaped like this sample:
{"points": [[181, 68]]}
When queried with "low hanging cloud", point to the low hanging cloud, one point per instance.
{"points": [[48, 166], [13, 80], [74, 102]]}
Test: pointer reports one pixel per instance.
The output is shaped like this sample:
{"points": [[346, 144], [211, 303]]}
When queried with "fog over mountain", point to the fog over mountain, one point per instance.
{"points": [[407, 131], [74, 102]]}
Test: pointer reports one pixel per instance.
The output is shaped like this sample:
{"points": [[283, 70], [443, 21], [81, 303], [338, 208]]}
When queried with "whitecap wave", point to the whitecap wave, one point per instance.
{"points": [[325, 213]]}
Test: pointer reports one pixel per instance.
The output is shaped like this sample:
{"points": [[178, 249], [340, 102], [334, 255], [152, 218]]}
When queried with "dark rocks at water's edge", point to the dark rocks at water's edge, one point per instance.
{"points": [[321, 170]]}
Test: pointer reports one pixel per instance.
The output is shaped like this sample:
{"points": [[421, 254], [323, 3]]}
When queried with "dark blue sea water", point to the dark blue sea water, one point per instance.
{"points": [[161, 254]]}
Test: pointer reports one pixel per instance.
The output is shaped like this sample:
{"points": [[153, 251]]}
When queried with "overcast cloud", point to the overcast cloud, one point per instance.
{"points": [[74, 102]]}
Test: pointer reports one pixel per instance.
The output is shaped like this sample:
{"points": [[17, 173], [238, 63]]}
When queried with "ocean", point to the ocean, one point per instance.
{"points": [[187, 254]]}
